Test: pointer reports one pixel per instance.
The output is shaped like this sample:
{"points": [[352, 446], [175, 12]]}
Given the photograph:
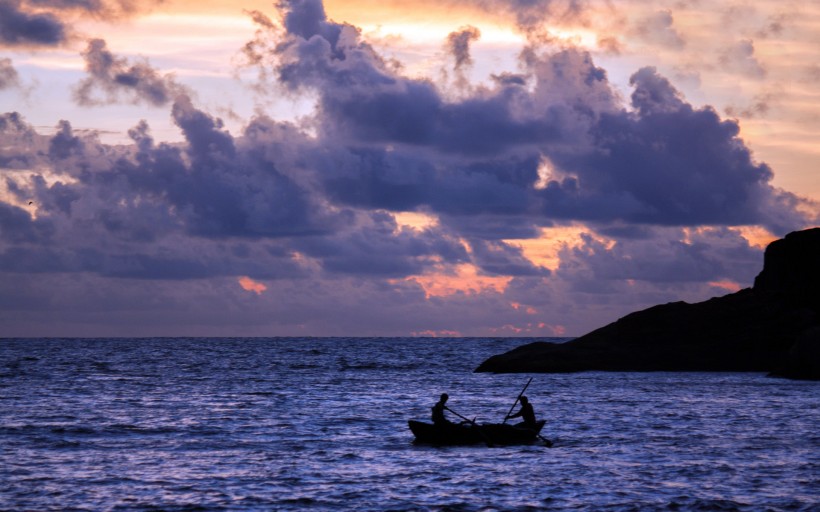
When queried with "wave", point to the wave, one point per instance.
{"points": [[344, 365]]}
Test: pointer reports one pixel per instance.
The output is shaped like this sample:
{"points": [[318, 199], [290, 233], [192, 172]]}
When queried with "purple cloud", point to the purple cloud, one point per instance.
{"points": [[663, 163], [530, 14], [9, 78], [310, 209], [21, 28], [458, 43], [115, 76], [668, 164], [740, 58], [45, 23], [658, 28], [661, 257]]}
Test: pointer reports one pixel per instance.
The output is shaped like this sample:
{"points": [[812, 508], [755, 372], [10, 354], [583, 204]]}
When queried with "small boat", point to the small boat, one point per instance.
{"points": [[469, 433]]}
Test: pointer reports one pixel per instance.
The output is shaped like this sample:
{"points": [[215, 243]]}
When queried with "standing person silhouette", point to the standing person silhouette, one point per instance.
{"points": [[526, 413], [438, 411]]}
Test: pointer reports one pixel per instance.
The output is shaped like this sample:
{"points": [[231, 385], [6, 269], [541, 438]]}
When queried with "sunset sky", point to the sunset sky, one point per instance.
{"points": [[386, 168]]}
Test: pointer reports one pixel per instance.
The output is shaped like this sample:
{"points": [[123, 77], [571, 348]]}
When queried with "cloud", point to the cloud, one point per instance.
{"points": [[663, 162], [250, 285], [378, 247], [48, 23], [740, 58], [21, 28], [9, 78], [760, 106], [17, 226], [363, 99], [502, 259], [668, 164], [663, 256], [310, 209], [19, 149], [214, 206], [64, 144], [103, 8], [458, 43], [658, 28], [217, 188], [529, 15], [115, 76]]}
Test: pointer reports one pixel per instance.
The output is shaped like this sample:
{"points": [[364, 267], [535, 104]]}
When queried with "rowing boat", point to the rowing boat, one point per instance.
{"points": [[467, 433]]}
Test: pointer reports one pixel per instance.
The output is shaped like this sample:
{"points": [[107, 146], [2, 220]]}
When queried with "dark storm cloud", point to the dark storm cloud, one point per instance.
{"points": [[668, 163], [379, 247], [654, 94], [217, 189], [64, 143], [362, 100], [17, 226], [21, 28], [400, 180], [161, 211], [493, 227], [115, 76], [278, 201], [45, 23], [663, 162], [503, 259]]}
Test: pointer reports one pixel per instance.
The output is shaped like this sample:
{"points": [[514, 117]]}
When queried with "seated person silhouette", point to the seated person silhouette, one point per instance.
{"points": [[526, 413], [438, 412]]}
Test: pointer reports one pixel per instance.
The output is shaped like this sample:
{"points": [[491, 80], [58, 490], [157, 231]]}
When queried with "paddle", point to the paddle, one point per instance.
{"points": [[546, 441], [478, 429], [517, 399]]}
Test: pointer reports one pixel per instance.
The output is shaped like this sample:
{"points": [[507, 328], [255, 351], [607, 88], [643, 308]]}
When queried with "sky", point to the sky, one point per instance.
{"points": [[395, 168]]}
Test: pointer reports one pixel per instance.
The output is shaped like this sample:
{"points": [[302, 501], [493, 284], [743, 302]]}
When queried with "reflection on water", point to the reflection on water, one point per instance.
{"points": [[247, 424]]}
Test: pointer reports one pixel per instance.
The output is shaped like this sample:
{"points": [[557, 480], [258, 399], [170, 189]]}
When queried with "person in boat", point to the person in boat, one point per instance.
{"points": [[526, 413], [438, 411]]}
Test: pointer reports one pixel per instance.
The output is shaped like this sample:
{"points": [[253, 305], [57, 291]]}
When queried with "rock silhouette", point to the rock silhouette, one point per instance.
{"points": [[772, 327]]}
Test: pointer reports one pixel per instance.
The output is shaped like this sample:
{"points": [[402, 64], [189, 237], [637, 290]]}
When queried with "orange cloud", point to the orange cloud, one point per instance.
{"points": [[756, 235], [415, 220], [726, 285], [530, 329], [465, 279], [544, 250], [527, 309], [250, 285]]}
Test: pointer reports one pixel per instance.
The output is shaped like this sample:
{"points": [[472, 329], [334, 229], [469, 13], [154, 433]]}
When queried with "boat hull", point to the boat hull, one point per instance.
{"points": [[465, 434]]}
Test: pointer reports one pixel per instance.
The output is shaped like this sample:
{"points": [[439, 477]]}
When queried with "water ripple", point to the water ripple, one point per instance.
{"points": [[289, 424]]}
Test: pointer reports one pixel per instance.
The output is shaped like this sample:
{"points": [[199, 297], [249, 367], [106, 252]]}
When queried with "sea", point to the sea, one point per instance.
{"points": [[321, 424]]}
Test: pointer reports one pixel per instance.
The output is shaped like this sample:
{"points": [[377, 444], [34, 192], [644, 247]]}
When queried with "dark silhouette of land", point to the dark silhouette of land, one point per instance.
{"points": [[772, 327]]}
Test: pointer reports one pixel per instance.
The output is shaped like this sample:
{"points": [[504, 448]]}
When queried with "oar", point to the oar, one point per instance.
{"points": [[478, 429], [547, 442], [517, 399]]}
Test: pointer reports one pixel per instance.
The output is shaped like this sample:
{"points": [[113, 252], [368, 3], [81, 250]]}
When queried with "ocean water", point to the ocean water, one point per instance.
{"points": [[321, 424]]}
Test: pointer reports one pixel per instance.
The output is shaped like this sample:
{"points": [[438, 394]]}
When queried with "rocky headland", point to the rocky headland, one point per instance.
{"points": [[772, 327]]}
